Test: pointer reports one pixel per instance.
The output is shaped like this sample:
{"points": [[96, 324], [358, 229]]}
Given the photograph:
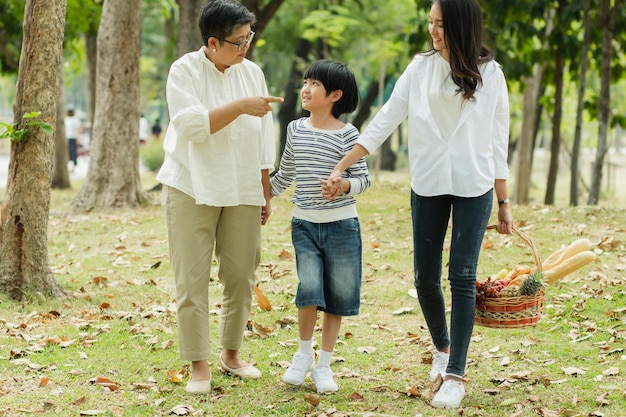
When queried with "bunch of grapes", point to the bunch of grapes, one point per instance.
{"points": [[488, 289]]}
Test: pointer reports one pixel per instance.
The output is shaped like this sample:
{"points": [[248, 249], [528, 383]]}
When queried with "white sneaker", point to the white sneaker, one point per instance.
{"points": [[301, 363], [449, 395], [323, 378], [440, 363]]}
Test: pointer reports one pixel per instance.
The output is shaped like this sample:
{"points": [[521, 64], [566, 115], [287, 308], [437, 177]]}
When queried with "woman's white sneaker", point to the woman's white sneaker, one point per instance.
{"points": [[449, 395], [440, 363]]}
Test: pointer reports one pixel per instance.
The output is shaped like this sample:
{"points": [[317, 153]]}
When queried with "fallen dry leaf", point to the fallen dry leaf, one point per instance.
{"points": [[413, 391], [366, 349], [261, 299], [181, 410], [260, 330], [106, 383], [174, 376], [80, 400], [355, 396], [572, 370], [312, 399], [602, 399]]}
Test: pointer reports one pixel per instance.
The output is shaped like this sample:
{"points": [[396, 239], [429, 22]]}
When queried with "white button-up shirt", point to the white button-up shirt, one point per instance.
{"points": [[465, 159], [224, 168]]}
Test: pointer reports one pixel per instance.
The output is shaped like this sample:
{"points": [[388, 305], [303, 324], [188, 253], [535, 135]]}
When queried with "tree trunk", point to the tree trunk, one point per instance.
{"points": [[113, 175], [531, 116], [287, 110], [526, 141], [365, 106], [263, 16], [584, 61], [557, 115], [189, 38], [91, 46], [24, 262], [607, 18], [60, 174], [555, 144]]}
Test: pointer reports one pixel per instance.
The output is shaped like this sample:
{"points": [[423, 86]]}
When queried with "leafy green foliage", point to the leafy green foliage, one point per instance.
{"points": [[16, 134], [11, 16], [152, 154]]}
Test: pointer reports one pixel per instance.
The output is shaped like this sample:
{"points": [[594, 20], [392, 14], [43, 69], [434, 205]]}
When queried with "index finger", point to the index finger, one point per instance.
{"points": [[272, 99]]}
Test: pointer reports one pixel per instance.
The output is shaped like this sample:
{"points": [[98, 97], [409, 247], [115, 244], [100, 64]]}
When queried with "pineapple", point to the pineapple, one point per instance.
{"points": [[510, 291], [532, 284]]}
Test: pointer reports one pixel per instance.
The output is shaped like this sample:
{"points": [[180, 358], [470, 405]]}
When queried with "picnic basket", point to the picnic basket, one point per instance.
{"points": [[511, 312]]}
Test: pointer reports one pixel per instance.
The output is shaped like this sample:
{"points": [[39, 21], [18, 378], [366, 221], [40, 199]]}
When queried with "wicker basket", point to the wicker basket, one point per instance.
{"points": [[512, 311]]}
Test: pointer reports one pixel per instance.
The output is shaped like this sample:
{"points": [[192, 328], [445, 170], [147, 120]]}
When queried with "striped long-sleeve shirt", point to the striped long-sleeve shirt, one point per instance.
{"points": [[310, 155]]}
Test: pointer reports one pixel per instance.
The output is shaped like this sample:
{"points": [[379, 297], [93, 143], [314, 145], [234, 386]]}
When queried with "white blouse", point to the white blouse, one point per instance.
{"points": [[447, 158], [224, 168]]}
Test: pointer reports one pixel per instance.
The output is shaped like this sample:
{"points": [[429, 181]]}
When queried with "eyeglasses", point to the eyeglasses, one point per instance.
{"points": [[241, 45]]}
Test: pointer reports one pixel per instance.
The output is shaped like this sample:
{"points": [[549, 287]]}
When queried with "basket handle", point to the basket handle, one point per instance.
{"points": [[528, 241]]}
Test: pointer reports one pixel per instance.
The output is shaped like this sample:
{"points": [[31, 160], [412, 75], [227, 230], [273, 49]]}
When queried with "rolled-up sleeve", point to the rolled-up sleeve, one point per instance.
{"points": [[188, 115]]}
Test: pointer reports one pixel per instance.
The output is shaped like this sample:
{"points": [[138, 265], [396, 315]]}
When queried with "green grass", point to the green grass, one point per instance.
{"points": [[120, 324]]}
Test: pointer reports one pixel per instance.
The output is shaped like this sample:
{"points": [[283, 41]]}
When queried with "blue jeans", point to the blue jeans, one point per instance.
{"points": [[328, 259], [430, 217]]}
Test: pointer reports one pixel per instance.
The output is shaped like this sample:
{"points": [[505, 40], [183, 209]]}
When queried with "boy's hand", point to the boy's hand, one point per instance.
{"points": [[332, 187]]}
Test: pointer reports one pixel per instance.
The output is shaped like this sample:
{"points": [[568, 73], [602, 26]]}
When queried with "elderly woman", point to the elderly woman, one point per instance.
{"points": [[219, 151]]}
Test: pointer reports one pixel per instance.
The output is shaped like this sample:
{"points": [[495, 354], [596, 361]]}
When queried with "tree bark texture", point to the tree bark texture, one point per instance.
{"points": [[607, 16], [526, 141], [113, 179], [287, 110], [264, 14], [60, 174], [557, 116], [91, 47], [189, 37], [24, 262], [582, 76]]}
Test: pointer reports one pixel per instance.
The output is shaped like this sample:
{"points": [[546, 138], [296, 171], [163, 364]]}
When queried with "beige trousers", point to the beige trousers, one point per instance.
{"points": [[194, 231]]}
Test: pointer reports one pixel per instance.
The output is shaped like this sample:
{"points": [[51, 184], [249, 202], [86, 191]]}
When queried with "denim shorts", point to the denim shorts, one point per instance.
{"points": [[328, 260]]}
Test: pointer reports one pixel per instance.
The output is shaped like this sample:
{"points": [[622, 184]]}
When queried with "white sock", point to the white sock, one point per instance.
{"points": [[324, 359], [306, 346]]}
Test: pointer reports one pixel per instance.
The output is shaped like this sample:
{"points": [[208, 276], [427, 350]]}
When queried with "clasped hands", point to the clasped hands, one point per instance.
{"points": [[331, 187]]}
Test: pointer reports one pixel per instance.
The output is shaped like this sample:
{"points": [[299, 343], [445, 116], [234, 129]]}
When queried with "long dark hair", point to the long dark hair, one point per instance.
{"points": [[464, 34]]}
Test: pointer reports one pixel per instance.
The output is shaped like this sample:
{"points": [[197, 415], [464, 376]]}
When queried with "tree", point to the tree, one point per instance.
{"points": [[60, 176], [81, 23], [557, 114], [607, 12], [113, 175], [24, 263], [263, 15], [582, 76], [189, 38]]}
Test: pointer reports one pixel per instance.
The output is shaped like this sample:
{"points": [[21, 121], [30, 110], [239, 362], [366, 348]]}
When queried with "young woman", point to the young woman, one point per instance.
{"points": [[219, 151], [456, 101], [326, 234]]}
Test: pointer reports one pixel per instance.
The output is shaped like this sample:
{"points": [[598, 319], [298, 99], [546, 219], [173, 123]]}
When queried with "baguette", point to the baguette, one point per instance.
{"points": [[561, 255], [568, 266]]}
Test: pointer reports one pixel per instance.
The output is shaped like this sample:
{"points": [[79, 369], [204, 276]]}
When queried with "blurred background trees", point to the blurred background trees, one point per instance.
{"points": [[563, 59]]}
